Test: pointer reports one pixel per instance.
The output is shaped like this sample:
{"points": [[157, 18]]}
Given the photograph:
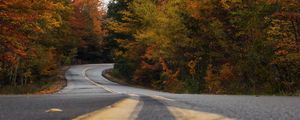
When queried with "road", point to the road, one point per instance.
{"points": [[89, 96]]}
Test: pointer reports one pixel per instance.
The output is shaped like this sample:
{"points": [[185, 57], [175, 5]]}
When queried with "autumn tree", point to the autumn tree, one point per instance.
{"points": [[87, 23], [216, 46], [23, 26]]}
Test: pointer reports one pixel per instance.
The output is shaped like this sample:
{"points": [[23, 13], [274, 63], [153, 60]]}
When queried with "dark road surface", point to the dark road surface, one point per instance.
{"points": [[35, 107], [88, 91]]}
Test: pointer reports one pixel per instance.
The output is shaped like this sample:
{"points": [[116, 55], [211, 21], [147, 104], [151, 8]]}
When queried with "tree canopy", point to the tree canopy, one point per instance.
{"points": [[37, 37], [213, 46]]}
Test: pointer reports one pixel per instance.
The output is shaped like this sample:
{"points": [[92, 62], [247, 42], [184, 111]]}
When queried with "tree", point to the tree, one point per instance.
{"points": [[217, 46], [87, 21], [30, 30]]}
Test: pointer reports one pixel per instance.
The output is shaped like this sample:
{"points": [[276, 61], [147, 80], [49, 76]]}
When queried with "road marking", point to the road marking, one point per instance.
{"points": [[123, 110], [186, 114], [137, 110], [54, 110], [161, 98], [126, 109], [97, 84], [133, 95]]}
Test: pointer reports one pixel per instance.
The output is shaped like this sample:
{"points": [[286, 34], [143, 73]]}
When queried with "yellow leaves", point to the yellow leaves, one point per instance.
{"points": [[220, 31], [283, 35], [59, 6], [146, 36], [226, 4], [93, 10], [118, 53], [51, 20], [127, 16], [27, 29], [27, 15], [192, 66], [119, 27]]}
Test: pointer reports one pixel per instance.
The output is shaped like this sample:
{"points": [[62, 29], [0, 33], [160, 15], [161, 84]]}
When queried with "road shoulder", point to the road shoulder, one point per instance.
{"points": [[52, 86]]}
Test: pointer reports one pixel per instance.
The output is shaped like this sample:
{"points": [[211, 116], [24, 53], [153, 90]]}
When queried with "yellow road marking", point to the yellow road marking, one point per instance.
{"points": [[105, 88], [123, 110], [161, 98], [54, 110], [133, 95]]}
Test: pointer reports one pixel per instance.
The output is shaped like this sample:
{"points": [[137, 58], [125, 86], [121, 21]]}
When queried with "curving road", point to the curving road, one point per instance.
{"points": [[90, 96]]}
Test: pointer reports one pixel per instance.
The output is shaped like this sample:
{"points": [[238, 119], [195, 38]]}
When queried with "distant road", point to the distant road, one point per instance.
{"points": [[89, 96]]}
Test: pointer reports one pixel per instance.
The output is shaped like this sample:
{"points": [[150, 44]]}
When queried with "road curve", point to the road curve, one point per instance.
{"points": [[88, 95]]}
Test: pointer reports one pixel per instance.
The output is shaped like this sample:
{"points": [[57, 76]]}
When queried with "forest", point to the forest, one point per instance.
{"points": [[182, 46], [38, 37], [208, 46]]}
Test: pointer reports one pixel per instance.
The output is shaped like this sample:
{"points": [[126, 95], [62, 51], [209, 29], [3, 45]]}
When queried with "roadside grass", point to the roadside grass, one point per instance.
{"points": [[49, 86], [116, 77], [298, 93], [25, 89]]}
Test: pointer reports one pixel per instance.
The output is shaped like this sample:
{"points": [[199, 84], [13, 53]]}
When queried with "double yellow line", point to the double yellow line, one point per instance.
{"points": [[127, 109]]}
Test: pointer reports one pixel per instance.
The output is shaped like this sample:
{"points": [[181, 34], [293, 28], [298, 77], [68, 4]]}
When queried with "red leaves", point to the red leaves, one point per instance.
{"points": [[20, 53], [9, 57]]}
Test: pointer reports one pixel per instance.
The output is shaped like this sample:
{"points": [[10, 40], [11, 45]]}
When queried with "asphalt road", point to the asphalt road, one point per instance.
{"points": [[87, 91]]}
